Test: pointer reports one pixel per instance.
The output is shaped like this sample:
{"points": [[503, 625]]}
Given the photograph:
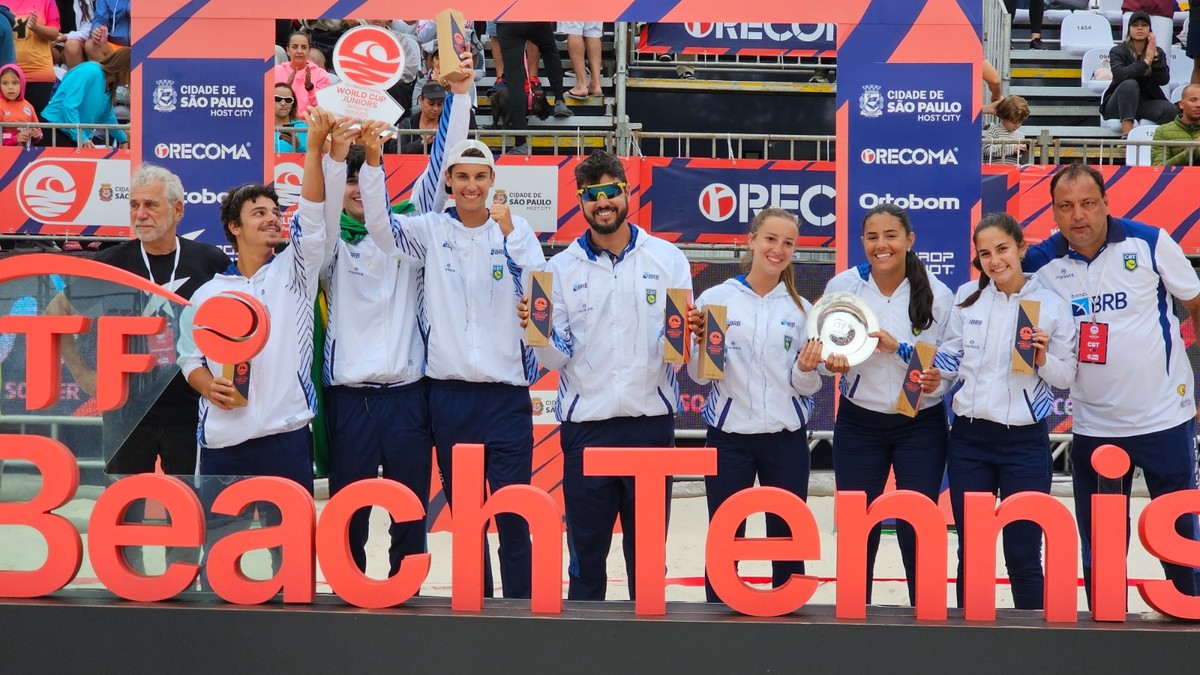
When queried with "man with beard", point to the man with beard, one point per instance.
{"points": [[610, 288], [166, 434]]}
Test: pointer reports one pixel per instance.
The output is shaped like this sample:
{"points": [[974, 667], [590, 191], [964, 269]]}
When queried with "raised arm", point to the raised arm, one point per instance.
{"points": [[429, 195], [399, 236]]}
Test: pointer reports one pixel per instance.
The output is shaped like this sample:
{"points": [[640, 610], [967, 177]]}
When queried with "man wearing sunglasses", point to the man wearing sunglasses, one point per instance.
{"points": [[610, 288], [476, 255]]}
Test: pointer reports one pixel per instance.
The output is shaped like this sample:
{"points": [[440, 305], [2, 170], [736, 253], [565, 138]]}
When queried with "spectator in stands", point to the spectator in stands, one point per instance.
{"points": [[300, 73], [429, 110], [432, 70], [36, 29], [1193, 40], [991, 77], [73, 46], [584, 37], [1185, 127], [110, 29], [285, 116], [86, 96], [8, 52], [1139, 70], [1036, 9], [1012, 111], [770, 378], [14, 107], [322, 36], [513, 35]]}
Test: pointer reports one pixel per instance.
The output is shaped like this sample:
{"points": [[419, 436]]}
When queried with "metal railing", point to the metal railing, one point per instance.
{"points": [[734, 145], [564, 139], [997, 42], [79, 129], [724, 63]]}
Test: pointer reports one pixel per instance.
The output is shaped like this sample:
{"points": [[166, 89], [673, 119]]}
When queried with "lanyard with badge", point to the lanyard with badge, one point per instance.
{"points": [[162, 345], [1093, 335]]}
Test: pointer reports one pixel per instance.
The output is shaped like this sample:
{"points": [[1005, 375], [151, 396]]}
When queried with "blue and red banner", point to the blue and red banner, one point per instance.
{"points": [[204, 121], [740, 39]]}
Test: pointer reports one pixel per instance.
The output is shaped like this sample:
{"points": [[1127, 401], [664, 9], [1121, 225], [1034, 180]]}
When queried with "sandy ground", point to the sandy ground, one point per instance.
{"points": [[22, 549]]}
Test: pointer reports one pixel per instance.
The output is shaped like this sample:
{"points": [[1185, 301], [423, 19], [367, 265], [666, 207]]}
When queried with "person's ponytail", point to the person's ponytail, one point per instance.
{"points": [[920, 299]]}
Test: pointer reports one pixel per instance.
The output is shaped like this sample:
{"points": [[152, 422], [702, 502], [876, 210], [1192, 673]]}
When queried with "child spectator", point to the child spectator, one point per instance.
{"points": [[35, 30], [1012, 111], [14, 107]]}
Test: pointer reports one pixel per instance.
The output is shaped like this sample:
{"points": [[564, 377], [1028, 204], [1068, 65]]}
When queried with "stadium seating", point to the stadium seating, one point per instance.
{"points": [[1082, 31], [1140, 155]]}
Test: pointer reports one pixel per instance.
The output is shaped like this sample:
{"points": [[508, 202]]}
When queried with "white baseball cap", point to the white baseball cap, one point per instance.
{"points": [[456, 154]]}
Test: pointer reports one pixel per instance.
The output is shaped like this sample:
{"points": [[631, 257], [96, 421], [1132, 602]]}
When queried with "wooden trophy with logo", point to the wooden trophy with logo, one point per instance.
{"points": [[910, 392], [239, 374], [452, 41], [1023, 351], [541, 309], [712, 353], [678, 341]]}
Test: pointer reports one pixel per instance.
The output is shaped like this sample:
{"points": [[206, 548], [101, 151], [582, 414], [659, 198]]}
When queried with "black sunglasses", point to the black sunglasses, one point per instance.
{"points": [[607, 190], [285, 99]]}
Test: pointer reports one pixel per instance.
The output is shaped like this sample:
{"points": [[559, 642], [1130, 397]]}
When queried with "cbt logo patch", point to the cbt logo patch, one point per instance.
{"points": [[56, 190], [369, 56]]}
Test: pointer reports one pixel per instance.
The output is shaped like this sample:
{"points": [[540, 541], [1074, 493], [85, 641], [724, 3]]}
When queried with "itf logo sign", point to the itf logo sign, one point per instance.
{"points": [[369, 56], [69, 191]]}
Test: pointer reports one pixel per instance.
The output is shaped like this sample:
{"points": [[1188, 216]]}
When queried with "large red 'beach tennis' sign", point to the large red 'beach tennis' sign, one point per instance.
{"points": [[236, 329], [170, 30]]}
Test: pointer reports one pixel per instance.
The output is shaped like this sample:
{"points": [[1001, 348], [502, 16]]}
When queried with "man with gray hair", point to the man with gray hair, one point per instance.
{"points": [[167, 432]]}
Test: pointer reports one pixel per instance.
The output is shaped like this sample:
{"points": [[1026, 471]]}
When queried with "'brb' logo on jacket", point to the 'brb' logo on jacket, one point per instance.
{"points": [[231, 327], [56, 190], [369, 56]]}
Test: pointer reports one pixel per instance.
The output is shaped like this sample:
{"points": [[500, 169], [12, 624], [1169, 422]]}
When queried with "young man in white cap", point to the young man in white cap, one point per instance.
{"points": [[376, 394], [476, 256]]}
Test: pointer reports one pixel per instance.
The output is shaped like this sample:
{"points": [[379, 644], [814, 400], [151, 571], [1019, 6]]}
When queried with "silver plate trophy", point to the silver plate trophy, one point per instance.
{"points": [[843, 321]]}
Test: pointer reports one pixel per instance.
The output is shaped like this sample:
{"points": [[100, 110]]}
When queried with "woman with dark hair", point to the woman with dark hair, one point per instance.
{"points": [[300, 73], [757, 415], [86, 96], [284, 114], [1139, 71], [870, 437], [1000, 442]]}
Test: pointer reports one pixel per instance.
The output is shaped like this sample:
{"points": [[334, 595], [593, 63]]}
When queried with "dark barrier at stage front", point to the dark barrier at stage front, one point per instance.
{"points": [[102, 636]]}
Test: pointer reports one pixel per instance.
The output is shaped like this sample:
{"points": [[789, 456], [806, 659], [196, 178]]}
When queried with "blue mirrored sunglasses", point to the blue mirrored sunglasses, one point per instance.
{"points": [[607, 190]]}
